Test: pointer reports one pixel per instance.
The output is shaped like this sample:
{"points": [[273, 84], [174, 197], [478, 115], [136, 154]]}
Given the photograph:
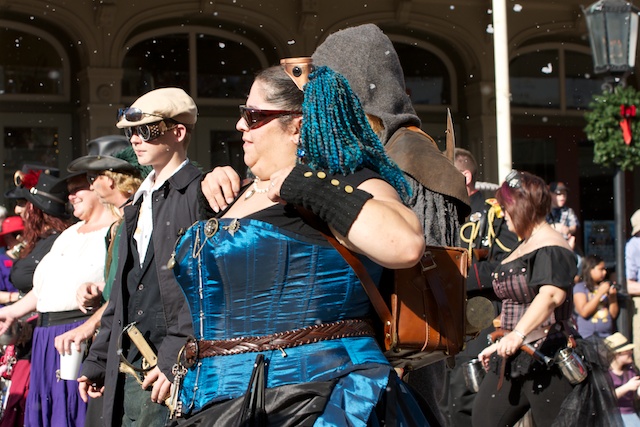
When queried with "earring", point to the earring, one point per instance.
{"points": [[300, 152]]}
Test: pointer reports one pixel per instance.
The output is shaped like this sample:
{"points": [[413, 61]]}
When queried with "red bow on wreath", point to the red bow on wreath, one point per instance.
{"points": [[627, 112]]}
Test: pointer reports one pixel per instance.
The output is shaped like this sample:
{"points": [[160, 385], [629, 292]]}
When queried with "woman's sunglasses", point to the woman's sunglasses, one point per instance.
{"points": [[256, 118], [148, 132]]}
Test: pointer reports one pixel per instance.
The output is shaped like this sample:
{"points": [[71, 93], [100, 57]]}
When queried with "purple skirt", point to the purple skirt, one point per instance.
{"points": [[51, 402]]}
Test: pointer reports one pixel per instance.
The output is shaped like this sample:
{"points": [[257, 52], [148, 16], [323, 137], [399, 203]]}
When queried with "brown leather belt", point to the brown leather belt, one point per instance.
{"points": [[199, 349]]}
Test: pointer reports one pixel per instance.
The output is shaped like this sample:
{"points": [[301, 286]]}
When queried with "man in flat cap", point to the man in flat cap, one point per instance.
{"points": [[145, 293]]}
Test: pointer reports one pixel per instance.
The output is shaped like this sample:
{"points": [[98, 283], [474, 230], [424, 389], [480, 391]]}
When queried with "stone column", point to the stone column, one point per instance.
{"points": [[99, 103]]}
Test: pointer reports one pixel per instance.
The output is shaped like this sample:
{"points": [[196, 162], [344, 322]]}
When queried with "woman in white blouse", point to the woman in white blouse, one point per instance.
{"points": [[76, 257]]}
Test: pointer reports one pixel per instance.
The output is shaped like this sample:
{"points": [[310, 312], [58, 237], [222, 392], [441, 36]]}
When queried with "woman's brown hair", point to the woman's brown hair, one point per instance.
{"points": [[39, 225], [527, 199]]}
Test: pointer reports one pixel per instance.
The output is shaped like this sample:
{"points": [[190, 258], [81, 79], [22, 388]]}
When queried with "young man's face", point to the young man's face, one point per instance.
{"points": [[155, 151]]}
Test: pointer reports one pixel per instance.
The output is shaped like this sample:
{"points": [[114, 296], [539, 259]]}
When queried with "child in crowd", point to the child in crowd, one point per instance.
{"points": [[625, 377], [595, 300]]}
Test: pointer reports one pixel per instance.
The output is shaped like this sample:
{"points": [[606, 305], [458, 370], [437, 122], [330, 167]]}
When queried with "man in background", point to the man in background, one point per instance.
{"points": [[562, 218]]}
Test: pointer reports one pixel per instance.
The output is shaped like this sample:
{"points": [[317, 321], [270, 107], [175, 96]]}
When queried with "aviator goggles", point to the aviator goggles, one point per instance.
{"points": [[514, 178], [134, 114], [148, 132], [256, 117]]}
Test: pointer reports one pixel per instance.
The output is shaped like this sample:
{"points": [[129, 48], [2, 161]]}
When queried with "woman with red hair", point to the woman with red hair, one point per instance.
{"points": [[534, 283], [44, 216]]}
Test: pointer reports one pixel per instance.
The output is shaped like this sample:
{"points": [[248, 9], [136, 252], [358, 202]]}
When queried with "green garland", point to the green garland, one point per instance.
{"points": [[603, 128]]}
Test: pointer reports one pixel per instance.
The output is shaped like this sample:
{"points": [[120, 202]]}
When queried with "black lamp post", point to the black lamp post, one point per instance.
{"points": [[613, 34]]}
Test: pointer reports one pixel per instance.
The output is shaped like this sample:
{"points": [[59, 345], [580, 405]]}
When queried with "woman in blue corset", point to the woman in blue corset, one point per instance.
{"points": [[278, 314]]}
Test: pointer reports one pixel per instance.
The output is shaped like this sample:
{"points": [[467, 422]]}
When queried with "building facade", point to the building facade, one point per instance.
{"points": [[68, 65]]}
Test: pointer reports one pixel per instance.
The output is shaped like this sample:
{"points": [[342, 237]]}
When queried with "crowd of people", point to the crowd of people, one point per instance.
{"points": [[217, 301]]}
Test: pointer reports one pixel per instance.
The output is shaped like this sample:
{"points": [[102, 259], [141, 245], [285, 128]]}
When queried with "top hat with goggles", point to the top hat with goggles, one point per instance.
{"points": [[41, 188], [28, 172]]}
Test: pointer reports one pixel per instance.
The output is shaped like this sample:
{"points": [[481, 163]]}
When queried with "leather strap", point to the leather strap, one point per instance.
{"points": [[379, 305], [430, 271], [199, 349]]}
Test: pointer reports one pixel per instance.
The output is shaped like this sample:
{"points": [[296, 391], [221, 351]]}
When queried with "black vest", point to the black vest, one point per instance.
{"points": [[144, 304]]}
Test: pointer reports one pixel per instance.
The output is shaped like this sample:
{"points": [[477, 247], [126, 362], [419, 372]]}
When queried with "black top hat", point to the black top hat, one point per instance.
{"points": [[47, 195], [28, 176], [100, 156]]}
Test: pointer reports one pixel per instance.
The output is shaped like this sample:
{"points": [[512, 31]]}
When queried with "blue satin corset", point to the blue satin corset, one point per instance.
{"points": [[258, 280], [249, 278]]}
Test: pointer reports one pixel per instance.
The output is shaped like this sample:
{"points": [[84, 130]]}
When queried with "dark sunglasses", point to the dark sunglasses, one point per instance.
{"points": [[134, 114], [514, 179], [256, 118], [148, 132], [75, 189], [92, 176]]}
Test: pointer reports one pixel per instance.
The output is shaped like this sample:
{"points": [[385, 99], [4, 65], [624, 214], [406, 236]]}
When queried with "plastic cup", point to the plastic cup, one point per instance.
{"points": [[70, 363]]}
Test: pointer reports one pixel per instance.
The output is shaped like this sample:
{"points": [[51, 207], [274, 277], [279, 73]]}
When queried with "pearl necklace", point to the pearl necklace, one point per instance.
{"points": [[254, 189]]}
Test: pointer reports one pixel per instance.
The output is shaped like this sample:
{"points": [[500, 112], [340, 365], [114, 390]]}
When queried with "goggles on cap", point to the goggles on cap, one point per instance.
{"points": [[256, 117], [148, 132], [134, 114]]}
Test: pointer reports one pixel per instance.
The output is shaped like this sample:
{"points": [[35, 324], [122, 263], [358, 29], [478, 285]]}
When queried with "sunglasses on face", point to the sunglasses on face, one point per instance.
{"points": [[134, 114], [75, 189], [92, 176], [148, 132], [255, 117]]}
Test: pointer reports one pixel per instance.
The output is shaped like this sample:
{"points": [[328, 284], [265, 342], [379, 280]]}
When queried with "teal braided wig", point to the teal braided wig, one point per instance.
{"points": [[336, 135]]}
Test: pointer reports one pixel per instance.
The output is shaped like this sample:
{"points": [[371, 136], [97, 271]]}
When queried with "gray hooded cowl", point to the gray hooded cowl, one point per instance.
{"points": [[368, 60]]}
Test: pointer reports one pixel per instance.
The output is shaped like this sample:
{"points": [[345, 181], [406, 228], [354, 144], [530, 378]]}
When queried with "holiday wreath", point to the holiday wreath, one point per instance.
{"points": [[614, 129]]}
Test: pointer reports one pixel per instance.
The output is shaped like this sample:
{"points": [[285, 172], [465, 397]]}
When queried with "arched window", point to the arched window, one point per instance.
{"points": [[225, 68], [426, 75], [205, 65], [554, 78], [29, 64], [156, 62]]}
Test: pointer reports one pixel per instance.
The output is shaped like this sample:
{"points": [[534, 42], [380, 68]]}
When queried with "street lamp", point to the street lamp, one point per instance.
{"points": [[613, 34]]}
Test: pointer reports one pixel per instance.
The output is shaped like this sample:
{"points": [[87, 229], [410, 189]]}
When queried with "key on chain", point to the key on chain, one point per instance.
{"points": [[178, 372]]}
